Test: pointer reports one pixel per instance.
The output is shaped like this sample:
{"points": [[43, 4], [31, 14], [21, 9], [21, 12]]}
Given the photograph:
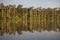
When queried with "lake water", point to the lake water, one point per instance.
{"points": [[30, 32], [35, 35]]}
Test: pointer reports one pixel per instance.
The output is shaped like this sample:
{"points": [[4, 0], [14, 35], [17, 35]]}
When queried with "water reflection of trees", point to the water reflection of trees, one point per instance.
{"points": [[20, 19]]}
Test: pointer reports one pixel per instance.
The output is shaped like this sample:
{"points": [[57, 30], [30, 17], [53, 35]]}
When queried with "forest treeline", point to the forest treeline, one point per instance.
{"points": [[12, 18]]}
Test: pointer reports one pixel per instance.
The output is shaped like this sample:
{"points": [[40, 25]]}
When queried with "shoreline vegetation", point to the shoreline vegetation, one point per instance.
{"points": [[19, 19]]}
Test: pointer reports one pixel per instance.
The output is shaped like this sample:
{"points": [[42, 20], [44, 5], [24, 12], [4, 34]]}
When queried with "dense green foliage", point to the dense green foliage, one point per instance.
{"points": [[12, 18]]}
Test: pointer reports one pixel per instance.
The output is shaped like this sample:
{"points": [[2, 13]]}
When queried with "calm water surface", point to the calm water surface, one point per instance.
{"points": [[35, 35]]}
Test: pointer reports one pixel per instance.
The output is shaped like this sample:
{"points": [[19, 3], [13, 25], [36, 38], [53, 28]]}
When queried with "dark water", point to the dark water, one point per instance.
{"points": [[35, 35]]}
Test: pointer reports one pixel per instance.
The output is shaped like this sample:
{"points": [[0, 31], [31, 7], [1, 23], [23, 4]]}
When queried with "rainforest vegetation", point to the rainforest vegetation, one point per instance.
{"points": [[18, 18]]}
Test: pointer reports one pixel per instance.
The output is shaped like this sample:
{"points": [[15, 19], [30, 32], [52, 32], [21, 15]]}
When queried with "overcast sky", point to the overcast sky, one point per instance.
{"points": [[35, 3]]}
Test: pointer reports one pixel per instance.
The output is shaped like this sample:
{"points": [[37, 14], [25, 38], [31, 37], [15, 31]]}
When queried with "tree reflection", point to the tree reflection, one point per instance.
{"points": [[20, 19]]}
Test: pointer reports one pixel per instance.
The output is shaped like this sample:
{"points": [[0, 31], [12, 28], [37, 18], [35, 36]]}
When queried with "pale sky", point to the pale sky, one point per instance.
{"points": [[35, 3]]}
